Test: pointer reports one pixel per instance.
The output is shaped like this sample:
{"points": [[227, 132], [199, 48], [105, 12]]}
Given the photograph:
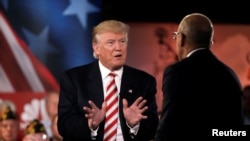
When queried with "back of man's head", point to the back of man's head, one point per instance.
{"points": [[198, 30]]}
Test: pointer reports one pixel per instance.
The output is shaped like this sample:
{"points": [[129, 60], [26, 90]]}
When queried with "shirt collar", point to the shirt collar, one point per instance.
{"points": [[191, 52], [105, 71]]}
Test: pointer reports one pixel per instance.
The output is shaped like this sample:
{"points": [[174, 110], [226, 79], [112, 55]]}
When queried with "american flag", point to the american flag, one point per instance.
{"points": [[39, 39]]}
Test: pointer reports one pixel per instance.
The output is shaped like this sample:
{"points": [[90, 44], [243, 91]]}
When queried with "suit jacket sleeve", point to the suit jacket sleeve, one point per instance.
{"points": [[72, 124]]}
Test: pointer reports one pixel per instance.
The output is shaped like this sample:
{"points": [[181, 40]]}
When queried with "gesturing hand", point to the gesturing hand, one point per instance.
{"points": [[94, 114], [133, 114]]}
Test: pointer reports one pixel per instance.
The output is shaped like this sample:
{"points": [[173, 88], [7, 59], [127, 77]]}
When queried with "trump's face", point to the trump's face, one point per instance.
{"points": [[111, 48]]}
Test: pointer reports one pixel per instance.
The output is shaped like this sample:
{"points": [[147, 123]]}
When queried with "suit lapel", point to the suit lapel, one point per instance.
{"points": [[127, 85]]}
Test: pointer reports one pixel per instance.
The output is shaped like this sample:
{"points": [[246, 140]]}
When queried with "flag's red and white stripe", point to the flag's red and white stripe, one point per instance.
{"points": [[20, 71]]}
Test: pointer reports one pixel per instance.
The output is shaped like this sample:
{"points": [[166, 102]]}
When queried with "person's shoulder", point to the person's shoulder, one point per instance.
{"points": [[137, 72], [80, 67], [81, 70], [179, 65]]}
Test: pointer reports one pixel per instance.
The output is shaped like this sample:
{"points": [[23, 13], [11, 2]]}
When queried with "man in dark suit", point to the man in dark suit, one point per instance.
{"points": [[82, 107], [200, 92]]}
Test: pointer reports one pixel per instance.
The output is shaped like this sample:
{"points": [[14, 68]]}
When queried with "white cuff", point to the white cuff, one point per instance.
{"points": [[134, 130], [94, 132]]}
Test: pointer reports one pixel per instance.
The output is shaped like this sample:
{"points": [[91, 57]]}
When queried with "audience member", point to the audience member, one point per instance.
{"points": [[7, 103], [51, 106], [9, 124], [200, 92], [83, 102], [55, 134], [35, 131]]}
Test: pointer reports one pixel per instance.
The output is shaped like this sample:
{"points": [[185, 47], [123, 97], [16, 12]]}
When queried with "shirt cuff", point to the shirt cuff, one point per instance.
{"points": [[94, 132], [134, 130]]}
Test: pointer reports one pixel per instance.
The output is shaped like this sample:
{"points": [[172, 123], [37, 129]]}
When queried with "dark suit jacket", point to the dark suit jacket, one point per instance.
{"points": [[80, 84], [200, 94]]}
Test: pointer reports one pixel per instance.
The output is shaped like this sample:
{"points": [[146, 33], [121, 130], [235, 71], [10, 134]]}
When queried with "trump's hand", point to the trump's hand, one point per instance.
{"points": [[134, 113], [94, 114]]}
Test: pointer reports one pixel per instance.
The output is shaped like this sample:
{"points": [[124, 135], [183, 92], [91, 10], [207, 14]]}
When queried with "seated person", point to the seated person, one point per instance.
{"points": [[9, 125], [35, 131], [56, 135]]}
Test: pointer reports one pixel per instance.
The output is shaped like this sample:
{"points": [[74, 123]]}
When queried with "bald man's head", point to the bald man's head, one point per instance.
{"points": [[198, 29]]}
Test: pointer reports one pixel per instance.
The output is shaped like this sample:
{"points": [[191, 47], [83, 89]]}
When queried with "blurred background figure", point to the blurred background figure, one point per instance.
{"points": [[35, 131], [246, 104], [7, 103], [166, 56], [51, 103], [55, 134], [9, 124]]}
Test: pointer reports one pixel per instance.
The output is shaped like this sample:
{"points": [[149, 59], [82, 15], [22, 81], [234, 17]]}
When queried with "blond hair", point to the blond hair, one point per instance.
{"points": [[109, 26]]}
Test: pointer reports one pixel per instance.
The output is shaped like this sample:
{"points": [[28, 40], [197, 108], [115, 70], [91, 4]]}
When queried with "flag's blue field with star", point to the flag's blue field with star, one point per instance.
{"points": [[58, 32]]}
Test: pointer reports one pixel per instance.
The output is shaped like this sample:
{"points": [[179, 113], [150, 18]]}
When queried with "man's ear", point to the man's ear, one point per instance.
{"points": [[182, 39], [95, 48]]}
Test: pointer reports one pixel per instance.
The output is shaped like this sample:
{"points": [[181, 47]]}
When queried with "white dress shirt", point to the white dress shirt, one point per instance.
{"points": [[104, 73]]}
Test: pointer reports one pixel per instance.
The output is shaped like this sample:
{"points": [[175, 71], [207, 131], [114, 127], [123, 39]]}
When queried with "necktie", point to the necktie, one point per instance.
{"points": [[110, 128]]}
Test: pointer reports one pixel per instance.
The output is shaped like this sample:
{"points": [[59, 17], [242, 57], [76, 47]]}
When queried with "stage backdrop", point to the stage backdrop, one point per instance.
{"points": [[151, 48], [39, 40]]}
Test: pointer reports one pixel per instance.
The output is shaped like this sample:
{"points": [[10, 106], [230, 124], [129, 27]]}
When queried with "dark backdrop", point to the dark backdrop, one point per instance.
{"points": [[236, 11]]}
